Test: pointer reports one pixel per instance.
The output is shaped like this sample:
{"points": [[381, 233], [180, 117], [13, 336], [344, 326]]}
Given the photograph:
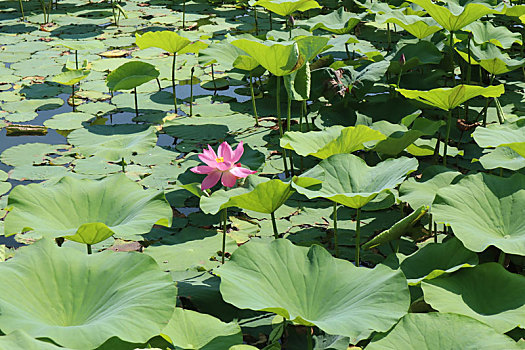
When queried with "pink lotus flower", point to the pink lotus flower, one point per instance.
{"points": [[221, 166]]}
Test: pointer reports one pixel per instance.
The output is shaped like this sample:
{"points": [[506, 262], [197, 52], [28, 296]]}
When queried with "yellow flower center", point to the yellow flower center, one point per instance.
{"points": [[219, 160]]}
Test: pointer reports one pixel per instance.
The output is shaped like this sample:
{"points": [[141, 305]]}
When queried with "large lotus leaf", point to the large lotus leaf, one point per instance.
{"points": [[444, 331], [220, 52], [130, 75], [86, 210], [311, 46], [422, 192], [278, 58], [263, 197], [483, 209], [188, 329], [71, 77], [287, 7], [310, 287], [502, 157], [105, 302], [492, 59], [400, 137], [484, 31], [348, 180], [19, 340], [420, 27], [455, 17], [399, 229], [166, 40], [434, 260], [333, 140], [113, 142], [511, 135], [450, 98], [486, 292], [337, 22]]}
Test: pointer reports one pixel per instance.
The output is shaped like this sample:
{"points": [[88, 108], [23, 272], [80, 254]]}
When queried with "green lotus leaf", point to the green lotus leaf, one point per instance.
{"points": [[420, 27], [245, 62], [188, 329], [298, 83], [434, 260], [348, 180], [491, 58], [113, 142], [243, 347], [68, 121], [71, 77], [26, 154], [130, 75], [455, 16], [258, 194], [166, 40], [506, 135], [221, 52], [78, 45], [481, 209], [398, 229], [311, 46], [287, 7], [310, 287], [502, 157], [486, 292], [104, 303], [19, 340], [337, 22], [86, 211], [333, 140], [422, 192], [418, 331], [400, 137], [450, 98], [190, 249], [4, 186], [278, 58], [413, 55], [485, 32]]}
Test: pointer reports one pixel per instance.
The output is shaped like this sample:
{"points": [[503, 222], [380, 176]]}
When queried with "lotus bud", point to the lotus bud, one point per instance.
{"points": [[291, 20], [402, 60]]}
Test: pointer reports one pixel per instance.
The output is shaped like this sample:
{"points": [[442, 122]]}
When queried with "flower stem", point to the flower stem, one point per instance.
{"points": [[335, 230], [274, 225], [173, 81], [225, 223], [253, 102], [357, 237]]}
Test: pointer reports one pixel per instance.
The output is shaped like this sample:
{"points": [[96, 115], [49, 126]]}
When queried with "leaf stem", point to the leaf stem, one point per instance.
{"points": [[136, 102], [73, 95], [173, 81], [213, 78], [279, 121], [253, 101], [22, 10], [191, 91], [335, 230], [274, 225], [309, 338], [89, 248], [445, 145], [357, 237], [501, 259]]}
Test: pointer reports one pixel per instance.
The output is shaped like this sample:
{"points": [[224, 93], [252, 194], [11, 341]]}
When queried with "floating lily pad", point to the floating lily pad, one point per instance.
{"points": [[113, 142]]}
